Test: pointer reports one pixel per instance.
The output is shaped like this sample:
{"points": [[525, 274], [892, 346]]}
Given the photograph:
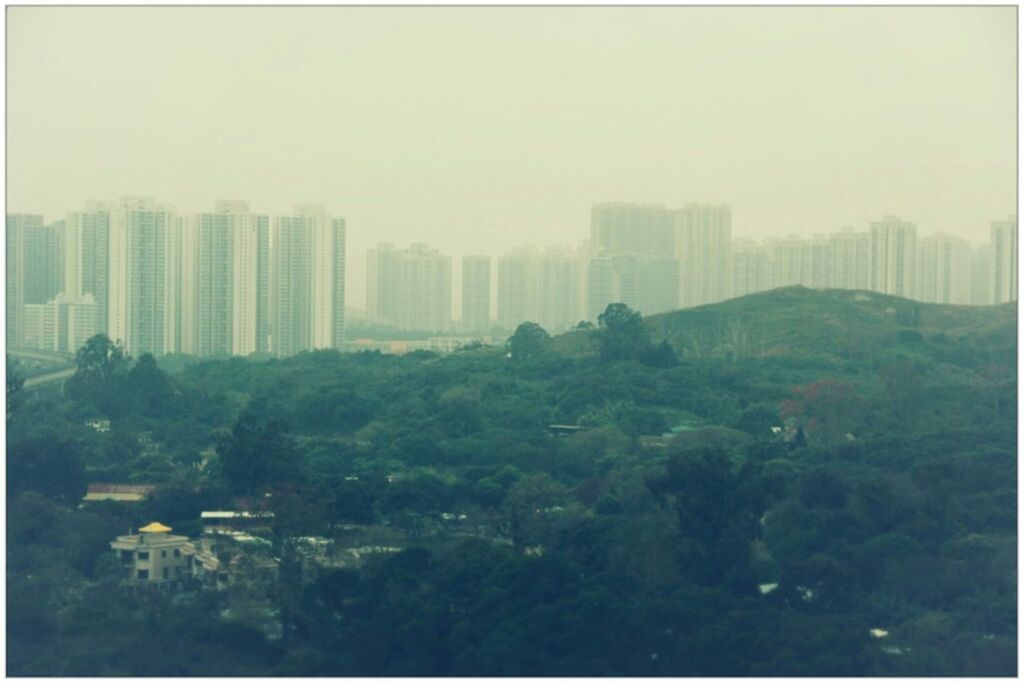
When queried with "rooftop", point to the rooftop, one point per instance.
{"points": [[233, 514], [123, 492]]}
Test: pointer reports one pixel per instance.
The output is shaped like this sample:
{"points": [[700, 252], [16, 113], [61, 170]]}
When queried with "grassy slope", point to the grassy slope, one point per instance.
{"points": [[801, 321]]}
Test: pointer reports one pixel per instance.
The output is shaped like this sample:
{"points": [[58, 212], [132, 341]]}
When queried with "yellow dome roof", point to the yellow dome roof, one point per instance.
{"points": [[155, 528]]}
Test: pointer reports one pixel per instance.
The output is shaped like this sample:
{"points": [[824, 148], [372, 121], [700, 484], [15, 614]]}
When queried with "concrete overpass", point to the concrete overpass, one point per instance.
{"points": [[57, 368], [55, 357], [39, 381]]}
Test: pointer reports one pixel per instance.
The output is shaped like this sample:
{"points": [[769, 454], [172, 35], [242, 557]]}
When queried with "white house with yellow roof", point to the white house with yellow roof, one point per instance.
{"points": [[154, 556]]}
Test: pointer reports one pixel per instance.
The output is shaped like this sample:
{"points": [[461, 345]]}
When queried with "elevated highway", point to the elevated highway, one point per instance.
{"points": [[55, 357], [43, 370], [39, 381]]}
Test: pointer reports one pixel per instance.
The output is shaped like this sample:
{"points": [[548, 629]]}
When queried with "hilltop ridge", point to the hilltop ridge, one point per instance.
{"points": [[832, 322]]}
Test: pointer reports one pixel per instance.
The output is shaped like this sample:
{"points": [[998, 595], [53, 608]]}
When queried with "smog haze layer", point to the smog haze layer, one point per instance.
{"points": [[479, 129]]}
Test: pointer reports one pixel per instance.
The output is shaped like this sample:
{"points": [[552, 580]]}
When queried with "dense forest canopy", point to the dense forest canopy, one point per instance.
{"points": [[790, 483]]}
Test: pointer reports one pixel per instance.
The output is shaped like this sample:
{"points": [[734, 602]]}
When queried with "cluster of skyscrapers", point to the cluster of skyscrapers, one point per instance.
{"points": [[657, 259], [649, 257], [888, 257], [234, 282], [224, 282]]}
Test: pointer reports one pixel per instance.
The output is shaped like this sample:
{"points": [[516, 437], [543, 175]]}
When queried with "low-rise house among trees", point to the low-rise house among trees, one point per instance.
{"points": [[224, 558], [206, 565], [220, 558], [154, 556]]}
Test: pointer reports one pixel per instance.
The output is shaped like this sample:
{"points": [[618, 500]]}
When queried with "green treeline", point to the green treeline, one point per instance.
{"points": [[755, 487]]}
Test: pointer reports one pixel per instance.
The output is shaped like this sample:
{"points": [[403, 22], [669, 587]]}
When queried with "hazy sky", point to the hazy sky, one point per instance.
{"points": [[479, 129]]}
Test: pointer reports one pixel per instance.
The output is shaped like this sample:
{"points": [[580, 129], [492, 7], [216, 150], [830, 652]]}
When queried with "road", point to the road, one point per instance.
{"points": [[49, 378], [34, 354]]}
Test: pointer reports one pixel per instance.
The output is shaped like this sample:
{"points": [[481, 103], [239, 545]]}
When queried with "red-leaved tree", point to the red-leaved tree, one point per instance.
{"points": [[827, 409]]}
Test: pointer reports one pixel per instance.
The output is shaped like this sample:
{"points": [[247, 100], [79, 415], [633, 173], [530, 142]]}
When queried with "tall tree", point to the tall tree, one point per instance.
{"points": [[529, 341], [717, 505], [100, 358], [258, 454], [102, 366], [149, 386], [297, 516], [620, 334]]}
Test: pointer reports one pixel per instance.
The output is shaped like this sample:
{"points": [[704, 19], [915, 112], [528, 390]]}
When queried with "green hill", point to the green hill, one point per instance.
{"points": [[796, 321]]}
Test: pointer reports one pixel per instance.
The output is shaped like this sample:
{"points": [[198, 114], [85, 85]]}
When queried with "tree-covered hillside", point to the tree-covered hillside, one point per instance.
{"points": [[833, 324], [792, 483]]}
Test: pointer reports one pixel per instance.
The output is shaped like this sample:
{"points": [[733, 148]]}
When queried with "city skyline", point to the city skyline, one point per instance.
{"points": [[356, 273], [235, 282]]}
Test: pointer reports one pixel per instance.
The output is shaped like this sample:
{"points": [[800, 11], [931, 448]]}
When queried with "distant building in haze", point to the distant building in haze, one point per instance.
{"points": [[22, 231], [893, 256], [328, 262], [817, 261], [186, 275], [981, 275], [424, 290], [702, 241], [519, 288], [476, 293], [229, 249], [382, 275], [539, 287], [559, 290], [141, 305], [60, 325], [87, 256], [849, 259], [214, 259], [751, 268], [1004, 260], [788, 265], [583, 253], [618, 228], [42, 264], [697, 236], [307, 281], [291, 295], [649, 284], [40, 327], [410, 289], [943, 270], [250, 320]]}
